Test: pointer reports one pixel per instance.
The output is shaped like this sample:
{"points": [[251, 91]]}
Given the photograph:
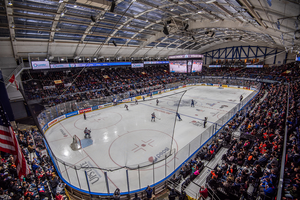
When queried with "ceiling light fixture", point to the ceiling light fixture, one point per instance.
{"points": [[75, 6]]}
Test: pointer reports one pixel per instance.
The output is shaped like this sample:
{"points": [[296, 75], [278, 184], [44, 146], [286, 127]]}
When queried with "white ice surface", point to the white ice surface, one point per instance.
{"points": [[128, 137]]}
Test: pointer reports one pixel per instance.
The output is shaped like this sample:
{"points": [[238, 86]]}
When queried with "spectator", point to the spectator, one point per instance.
{"points": [[203, 192], [172, 195], [149, 192]]}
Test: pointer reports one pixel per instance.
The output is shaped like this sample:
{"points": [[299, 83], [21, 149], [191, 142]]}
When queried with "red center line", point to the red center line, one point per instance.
{"points": [[91, 158]]}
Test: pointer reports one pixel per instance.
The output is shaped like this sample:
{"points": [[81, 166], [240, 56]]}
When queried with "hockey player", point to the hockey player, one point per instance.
{"points": [[143, 98], [241, 97], [205, 121], [192, 103], [87, 133], [84, 116], [126, 106], [157, 102], [136, 101], [177, 114], [153, 117]]}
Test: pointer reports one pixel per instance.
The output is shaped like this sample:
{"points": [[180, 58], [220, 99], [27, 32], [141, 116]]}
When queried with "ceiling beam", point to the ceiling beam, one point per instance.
{"points": [[253, 13], [204, 9], [226, 11], [11, 26]]}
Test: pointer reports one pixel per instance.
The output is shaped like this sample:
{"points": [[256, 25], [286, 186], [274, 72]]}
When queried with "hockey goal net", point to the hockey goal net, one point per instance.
{"points": [[76, 143]]}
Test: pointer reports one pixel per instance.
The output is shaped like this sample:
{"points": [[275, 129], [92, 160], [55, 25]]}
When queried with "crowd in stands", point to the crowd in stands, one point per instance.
{"points": [[41, 183], [250, 167], [252, 163], [55, 87]]}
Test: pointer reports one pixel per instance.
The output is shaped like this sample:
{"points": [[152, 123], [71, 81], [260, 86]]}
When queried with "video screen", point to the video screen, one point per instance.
{"points": [[197, 66], [298, 58], [178, 66]]}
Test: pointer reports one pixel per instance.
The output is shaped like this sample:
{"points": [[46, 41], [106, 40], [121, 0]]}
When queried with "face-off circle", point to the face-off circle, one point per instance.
{"points": [[141, 147], [98, 120]]}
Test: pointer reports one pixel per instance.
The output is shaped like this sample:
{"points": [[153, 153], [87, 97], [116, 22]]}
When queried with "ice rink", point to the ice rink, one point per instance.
{"points": [[123, 137]]}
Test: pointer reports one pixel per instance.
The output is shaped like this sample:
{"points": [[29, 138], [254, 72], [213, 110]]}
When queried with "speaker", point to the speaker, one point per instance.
{"points": [[193, 38], [169, 21], [113, 5], [166, 31], [114, 43], [186, 27], [93, 18]]}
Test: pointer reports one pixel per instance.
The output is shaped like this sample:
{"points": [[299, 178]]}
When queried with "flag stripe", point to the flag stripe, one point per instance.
{"points": [[4, 130], [5, 137], [7, 142], [7, 148]]}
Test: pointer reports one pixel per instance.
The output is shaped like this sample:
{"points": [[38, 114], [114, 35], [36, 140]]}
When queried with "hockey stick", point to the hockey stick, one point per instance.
{"points": [[158, 118]]}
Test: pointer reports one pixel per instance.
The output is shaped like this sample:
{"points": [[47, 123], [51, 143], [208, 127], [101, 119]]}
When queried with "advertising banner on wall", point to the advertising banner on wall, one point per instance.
{"points": [[40, 65], [72, 65], [137, 65], [155, 62]]}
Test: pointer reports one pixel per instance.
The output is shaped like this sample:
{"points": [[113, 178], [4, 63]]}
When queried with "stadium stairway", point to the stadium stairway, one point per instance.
{"points": [[193, 188]]}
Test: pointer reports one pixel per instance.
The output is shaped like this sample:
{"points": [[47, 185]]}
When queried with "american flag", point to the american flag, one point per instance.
{"points": [[9, 143]]}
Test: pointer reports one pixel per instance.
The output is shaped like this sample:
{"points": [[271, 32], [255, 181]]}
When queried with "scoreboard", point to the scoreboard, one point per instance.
{"points": [[186, 63]]}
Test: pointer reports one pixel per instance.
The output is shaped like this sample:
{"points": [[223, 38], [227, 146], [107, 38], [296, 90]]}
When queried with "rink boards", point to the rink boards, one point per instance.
{"points": [[119, 142]]}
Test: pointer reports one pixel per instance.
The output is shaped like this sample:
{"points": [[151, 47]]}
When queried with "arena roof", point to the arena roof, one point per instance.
{"points": [[191, 25]]}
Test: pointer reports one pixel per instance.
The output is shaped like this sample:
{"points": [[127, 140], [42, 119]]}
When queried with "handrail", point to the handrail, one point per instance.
{"points": [[280, 183]]}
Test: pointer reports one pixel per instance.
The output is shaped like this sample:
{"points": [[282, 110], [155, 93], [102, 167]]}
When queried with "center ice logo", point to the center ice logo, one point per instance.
{"points": [[223, 106], [159, 155], [211, 104]]}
